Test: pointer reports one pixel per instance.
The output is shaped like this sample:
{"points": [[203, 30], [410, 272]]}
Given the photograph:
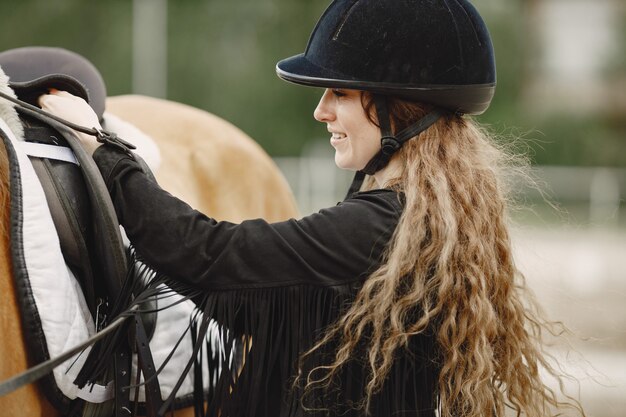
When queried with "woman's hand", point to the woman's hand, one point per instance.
{"points": [[73, 109]]}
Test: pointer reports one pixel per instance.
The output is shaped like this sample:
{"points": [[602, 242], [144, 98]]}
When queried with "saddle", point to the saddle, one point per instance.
{"points": [[91, 243]]}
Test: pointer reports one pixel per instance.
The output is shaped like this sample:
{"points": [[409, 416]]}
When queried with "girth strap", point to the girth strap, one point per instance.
{"points": [[110, 255], [122, 365], [146, 365], [357, 181]]}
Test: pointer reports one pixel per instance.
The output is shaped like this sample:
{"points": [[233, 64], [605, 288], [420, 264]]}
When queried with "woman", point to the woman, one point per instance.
{"points": [[404, 298]]}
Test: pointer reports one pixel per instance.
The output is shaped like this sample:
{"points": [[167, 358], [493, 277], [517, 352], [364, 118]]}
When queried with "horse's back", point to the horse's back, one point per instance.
{"points": [[218, 169]]}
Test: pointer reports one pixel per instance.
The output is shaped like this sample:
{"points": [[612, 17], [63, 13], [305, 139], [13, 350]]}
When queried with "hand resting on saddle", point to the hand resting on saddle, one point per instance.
{"points": [[73, 109]]}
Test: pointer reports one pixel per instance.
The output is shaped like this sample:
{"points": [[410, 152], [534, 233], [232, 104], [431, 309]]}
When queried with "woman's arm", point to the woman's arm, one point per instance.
{"points": [[334, 246]]}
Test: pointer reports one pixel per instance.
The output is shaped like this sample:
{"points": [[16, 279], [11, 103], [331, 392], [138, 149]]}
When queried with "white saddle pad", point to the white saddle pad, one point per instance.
{"points": [[63, 313]]}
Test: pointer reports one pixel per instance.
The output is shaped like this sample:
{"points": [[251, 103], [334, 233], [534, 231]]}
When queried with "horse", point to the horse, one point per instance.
{"points": [[205, 161], [217, 169]]}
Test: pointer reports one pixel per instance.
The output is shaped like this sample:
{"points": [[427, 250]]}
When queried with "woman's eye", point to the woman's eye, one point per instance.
{"points": [[338, 93]]}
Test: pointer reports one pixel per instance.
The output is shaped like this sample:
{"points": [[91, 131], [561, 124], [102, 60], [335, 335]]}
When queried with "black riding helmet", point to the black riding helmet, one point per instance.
{"points": [[431, 51], [34, 69]]}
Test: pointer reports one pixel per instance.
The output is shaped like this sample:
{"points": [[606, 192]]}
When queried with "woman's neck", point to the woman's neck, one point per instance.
{"points": [[391, 171]]}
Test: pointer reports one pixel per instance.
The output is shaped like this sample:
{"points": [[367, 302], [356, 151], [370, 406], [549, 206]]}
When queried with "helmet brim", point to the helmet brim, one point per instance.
{"points": [[467, 99]]}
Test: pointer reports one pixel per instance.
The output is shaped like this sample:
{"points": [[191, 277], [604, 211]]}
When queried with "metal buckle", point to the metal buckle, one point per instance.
{"points": [[111, 139], [389, 145]]}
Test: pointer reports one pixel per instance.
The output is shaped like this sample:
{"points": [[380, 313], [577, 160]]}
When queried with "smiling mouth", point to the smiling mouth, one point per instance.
{"points": [[337, 138]]}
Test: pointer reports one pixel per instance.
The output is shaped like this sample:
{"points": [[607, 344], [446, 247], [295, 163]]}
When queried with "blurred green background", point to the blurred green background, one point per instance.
{"points": [[220, 56], [561, 96]]}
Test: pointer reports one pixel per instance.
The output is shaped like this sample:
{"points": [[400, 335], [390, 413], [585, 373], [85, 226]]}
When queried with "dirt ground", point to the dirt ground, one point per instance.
{"points": [[579, 277]]}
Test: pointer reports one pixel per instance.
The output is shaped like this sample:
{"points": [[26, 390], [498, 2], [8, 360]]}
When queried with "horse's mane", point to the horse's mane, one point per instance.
{"points": [[4, 192], [9, 115]]}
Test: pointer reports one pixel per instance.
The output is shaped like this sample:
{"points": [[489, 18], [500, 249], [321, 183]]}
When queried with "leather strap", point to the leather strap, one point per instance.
{"points": [[389, 143], [418, 127], [204, 326], [112, 263], [382, 113], [122, 365], [32, 374], [102, 136], [147, 367], [73, 245]]}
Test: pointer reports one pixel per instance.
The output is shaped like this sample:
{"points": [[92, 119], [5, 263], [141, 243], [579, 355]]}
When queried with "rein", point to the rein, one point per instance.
{"points": [[102, 136], [32, 374], [115, 269]]}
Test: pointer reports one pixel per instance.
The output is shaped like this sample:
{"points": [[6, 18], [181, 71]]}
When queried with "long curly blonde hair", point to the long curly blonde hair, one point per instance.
{"points": [[451, 258]]}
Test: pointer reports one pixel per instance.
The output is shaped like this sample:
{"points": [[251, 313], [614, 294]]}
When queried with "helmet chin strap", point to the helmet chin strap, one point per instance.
{"points": [[390, 143]]}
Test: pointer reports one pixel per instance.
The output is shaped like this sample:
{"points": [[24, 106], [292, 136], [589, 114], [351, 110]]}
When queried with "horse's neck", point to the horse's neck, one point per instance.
{"points": [[28, 400]]}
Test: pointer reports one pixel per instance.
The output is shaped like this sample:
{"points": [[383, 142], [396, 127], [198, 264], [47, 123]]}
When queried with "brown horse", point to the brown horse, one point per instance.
{"points": [[208, 162], [205, 161]]}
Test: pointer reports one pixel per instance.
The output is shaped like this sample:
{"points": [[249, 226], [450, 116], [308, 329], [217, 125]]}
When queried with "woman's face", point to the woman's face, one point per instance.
{"points": [[355, 138]]}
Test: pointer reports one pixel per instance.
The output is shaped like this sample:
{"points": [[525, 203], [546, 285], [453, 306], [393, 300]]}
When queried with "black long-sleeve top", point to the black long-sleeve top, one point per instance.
{"points": [[280, 284]]}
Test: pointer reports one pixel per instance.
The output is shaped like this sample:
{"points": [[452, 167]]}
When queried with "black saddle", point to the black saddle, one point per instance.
{"points": [[74, 218], [90, 240], [33, 71]]}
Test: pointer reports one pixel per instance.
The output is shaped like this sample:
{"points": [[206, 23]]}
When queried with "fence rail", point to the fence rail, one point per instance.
{"points": [[596, 194]]}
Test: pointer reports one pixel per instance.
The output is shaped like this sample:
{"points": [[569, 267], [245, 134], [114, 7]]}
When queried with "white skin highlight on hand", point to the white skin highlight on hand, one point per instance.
{"points": [[73, 109]]}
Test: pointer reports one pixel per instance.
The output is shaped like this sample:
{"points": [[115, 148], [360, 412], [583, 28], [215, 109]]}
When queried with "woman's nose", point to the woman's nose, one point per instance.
{"points": [[323, 112]]}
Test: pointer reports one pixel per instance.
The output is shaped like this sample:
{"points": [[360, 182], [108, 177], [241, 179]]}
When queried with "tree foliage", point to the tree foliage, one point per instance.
{"points": [[222, 56]]}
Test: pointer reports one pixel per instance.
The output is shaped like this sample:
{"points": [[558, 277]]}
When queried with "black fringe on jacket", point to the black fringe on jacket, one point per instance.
{"points": [[259, 337], [254, 340]]}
